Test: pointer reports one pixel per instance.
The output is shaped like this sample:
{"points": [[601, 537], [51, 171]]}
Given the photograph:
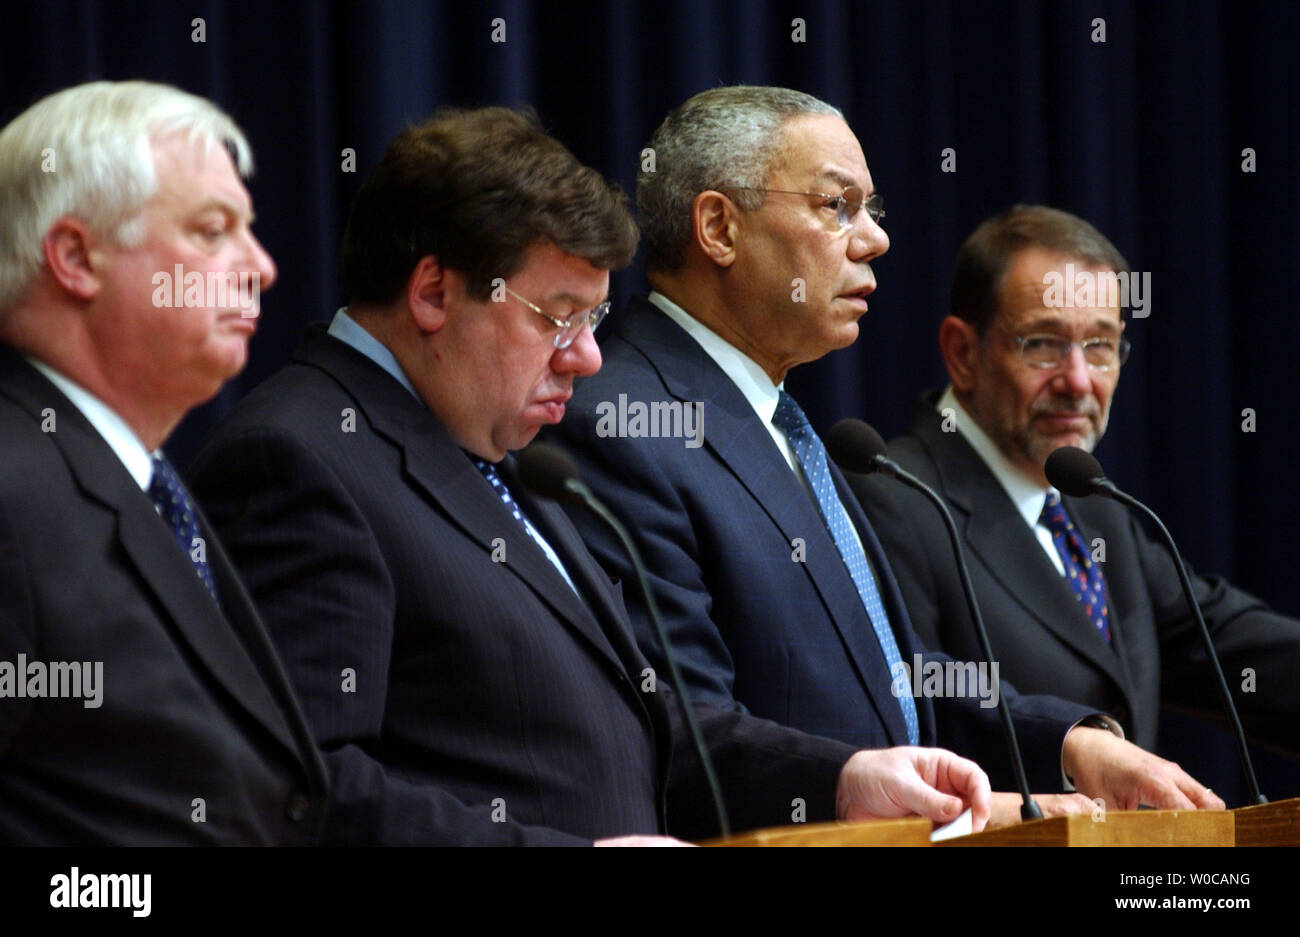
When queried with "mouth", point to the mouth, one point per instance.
{"points": [[858, 297], [243, 320], [1069, 422], [553, 407]]}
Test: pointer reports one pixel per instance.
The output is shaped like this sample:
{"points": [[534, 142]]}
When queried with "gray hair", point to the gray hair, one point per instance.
{"points": [[721, 137], [984, 258], [87, 151]]}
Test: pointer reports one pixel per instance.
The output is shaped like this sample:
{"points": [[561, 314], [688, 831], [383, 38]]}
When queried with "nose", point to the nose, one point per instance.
{"points": [[1074, 375], [867, 239], [581, 359], [261, 262]]}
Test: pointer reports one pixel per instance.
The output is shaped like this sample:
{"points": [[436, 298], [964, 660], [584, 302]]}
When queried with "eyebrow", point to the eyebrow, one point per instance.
{"points": [[842, 179], [1043, 322], [573, 299], [224, 205]]}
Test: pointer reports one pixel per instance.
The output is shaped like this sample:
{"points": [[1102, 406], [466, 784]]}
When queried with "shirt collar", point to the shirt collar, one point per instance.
{"points": [[345, 329], [751, 379], [1028, 496], [120, 437]]}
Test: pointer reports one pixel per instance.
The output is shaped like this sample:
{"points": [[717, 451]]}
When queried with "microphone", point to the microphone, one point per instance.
{"points": [[550, 473], [1079, 474], [856, 447]]}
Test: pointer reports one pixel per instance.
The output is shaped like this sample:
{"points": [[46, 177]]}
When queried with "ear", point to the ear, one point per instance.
{"points": [[713, 216], [959, 346], [73, 257], [426, 294]]}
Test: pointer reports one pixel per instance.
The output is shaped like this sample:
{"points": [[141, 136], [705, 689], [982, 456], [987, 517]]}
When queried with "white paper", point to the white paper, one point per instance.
{"points": [[959, 827]]}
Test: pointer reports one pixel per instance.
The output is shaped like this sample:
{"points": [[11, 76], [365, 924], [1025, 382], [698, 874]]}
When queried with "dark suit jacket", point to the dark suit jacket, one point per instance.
{"points": [[1036, 625], [195, 703], [488, 704], [752, 626]]}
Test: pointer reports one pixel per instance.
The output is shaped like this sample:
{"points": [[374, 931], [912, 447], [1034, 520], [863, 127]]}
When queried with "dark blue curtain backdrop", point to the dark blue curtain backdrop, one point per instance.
{"points": [[1142, 134]]}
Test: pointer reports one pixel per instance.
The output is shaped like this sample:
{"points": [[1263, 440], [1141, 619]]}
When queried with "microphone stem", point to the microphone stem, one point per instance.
{"points": [[688, 717], [1229, 706], [1028, 809]]}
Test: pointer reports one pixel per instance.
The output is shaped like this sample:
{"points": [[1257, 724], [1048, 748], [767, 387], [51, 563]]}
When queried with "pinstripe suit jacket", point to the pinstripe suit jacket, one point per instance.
{"points": [[194, 703], [461, 691], [763, 625]]}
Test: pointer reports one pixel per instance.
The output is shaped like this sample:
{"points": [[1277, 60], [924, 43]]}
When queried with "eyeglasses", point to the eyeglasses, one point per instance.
{"points": [[1050, 351], [570, 327], [846, 204]]}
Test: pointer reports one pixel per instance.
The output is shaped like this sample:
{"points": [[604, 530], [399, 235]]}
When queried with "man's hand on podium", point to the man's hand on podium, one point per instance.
{"points": [[901, 782], [1006, 806], [1101, 764]]}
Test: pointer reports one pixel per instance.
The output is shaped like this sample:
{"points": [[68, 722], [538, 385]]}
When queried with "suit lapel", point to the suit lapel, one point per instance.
{"points": [[152, 549], [909, 643], [433, 464], [598, 591], [997, 535], [736, 436], [590, 580], [243, 617]]}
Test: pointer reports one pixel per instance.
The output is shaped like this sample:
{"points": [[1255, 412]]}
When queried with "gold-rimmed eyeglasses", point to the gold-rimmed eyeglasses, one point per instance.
{"points": [[570, 327]]}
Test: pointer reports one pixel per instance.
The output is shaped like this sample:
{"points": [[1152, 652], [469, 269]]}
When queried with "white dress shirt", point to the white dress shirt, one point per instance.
{"points": [[1026, 494], [126, 445]]}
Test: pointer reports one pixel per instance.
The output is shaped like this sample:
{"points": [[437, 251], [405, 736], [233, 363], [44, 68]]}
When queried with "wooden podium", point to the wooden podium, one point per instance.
{"points": [[1119, 828], [1276, 824], [911, 832]]}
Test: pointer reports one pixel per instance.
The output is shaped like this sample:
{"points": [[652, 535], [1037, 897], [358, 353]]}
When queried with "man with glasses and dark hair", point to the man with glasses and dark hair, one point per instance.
{"points": [[1032, 370], [466, 666], [761, 220]]}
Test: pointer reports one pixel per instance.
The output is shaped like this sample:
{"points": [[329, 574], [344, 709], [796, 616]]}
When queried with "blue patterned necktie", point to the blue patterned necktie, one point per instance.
{"points": [[490, 473], [174, 506], [1083, 575], [810, 452]]}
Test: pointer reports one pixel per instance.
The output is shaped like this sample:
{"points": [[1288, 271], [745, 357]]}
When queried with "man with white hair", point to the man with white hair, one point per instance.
{"points": [[140, 698]]}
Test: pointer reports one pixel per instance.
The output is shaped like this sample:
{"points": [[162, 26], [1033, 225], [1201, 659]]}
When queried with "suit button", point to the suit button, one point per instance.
{"points": [[299, 808]]}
